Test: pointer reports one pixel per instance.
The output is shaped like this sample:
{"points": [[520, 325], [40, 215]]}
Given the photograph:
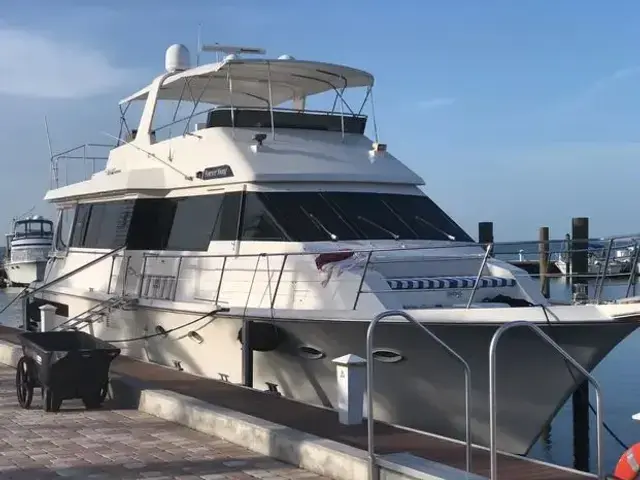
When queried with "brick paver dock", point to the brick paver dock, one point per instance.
{"points": [[117, 444]]}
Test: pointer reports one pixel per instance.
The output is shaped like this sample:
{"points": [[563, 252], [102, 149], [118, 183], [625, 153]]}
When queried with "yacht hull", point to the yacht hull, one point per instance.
{"points": [[424, 390], [24, 273]]}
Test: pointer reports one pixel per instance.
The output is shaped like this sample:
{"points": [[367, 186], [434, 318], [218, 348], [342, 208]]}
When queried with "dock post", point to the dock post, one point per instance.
{"points": [[485, 232], [543, 249], [580, 398]]}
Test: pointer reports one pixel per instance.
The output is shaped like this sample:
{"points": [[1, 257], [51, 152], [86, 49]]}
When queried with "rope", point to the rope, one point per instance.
{"points": [[20, 295], [166, 332]]}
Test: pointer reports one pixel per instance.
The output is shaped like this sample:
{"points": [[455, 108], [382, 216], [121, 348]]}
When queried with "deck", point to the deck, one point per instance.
{"points": [[324, 422]]}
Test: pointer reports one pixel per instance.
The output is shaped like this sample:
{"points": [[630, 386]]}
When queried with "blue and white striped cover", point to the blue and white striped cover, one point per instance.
{"points": [[442, 283]]}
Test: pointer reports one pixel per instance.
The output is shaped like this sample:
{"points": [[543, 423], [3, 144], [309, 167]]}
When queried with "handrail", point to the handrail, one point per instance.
{"points": [[600, 279], [633, 274], [448, 349], [482, 265], [77, 270], [492, 392]]}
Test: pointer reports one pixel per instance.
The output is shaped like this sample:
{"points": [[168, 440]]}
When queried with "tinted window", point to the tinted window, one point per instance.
{"points": [[150, 224], [306, 216], [80, 225], [64, 227], [193, 223], [371, 215], [226, 227], [257, 222], [426, 218], [314, 216], [93, 227], [114, 222]]}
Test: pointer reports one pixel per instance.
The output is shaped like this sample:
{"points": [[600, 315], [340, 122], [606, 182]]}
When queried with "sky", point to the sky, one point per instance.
{"points": [[522, 113]]}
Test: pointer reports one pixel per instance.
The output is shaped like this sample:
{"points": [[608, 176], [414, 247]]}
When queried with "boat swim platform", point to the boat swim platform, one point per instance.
{"points": [[300, 434]]}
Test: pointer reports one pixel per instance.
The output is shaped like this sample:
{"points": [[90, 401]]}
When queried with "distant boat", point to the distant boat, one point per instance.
{"points": [[27, 251], [596, 258]]}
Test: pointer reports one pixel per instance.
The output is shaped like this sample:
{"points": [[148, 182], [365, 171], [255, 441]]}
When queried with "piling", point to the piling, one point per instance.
{"points": [[485, 233], [543, 250], [580, 399]]}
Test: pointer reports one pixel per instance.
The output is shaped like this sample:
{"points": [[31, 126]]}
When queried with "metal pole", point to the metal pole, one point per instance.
{"points": [[492, 392], [448, 349], [482, 265], [634, 267], [273, 127]]}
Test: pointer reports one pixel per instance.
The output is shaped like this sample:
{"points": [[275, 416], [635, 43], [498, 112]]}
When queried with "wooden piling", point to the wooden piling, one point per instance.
{"points": [[485, 232], [580, 398], [543, 249]]}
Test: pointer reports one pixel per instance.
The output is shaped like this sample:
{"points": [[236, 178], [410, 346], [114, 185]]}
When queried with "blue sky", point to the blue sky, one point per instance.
{"points": [[520, 112]]}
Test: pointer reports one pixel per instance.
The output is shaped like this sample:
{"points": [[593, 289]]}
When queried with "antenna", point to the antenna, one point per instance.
{"points": [[54, 166], [199, 45], [229, 49]]}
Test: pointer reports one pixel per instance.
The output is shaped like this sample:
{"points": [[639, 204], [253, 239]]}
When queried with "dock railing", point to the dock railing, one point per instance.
{"points": [[492, 393], [370, 386]]}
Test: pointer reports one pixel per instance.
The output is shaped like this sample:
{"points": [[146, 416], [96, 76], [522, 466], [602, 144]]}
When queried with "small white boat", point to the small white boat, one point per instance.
{"points": [[28, 248]]}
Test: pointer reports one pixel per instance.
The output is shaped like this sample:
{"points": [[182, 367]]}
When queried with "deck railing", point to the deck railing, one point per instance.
{"points": [[150, 281]]}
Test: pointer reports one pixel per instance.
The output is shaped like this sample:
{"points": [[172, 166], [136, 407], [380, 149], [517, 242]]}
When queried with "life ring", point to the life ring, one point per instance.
{"points": [[628, 467]]}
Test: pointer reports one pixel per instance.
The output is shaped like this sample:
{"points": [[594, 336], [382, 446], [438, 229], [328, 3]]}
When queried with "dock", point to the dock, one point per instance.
{"points": [[532, 267], [118, 443], [302, 435]]}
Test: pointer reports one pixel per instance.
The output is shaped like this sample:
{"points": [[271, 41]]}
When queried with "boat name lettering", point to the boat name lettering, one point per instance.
{"points": [[220, 171]]}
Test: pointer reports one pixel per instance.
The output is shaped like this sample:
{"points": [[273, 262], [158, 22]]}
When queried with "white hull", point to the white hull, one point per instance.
{"points": [[424, 391], [23, 273]]}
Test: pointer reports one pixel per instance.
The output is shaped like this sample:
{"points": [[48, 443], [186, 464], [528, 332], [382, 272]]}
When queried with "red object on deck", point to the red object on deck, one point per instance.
{"points": [[324, 258]]}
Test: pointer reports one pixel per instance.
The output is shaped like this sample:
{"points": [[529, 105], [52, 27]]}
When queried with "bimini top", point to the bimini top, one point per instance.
{"points": [[244, 82]]}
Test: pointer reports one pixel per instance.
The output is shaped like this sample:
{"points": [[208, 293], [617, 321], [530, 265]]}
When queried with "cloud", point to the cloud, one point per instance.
{"points": [[432, 103], [585, 97], [33, 65]]}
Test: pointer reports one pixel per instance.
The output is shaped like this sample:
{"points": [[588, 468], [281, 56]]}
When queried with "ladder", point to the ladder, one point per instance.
{"points": [[97, 312]]}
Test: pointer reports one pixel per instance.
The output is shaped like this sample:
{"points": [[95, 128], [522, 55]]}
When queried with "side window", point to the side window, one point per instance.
{"points": [[92, 235], [151, 224], [194, 221], [64, 227], [80, 225], [114, 224], [226, 227], [258, 224]]}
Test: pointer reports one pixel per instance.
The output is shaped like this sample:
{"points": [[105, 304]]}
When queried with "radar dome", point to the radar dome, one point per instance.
{"points": [[231, 57], [177, 58], [285, 57]]}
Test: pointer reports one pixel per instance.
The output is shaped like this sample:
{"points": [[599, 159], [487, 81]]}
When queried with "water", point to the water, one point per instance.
{"points": [[616, 374]]}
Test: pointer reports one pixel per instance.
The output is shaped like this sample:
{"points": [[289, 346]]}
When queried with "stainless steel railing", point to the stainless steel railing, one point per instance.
{"points": [[492, 392], [370, 383]]}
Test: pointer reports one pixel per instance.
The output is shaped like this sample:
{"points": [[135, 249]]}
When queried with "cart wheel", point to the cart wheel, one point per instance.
{"points": [[25, 381], [50, 402], [95, 399]]}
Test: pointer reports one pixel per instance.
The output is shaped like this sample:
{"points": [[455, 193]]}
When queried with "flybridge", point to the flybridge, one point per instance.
{"points": [[266, 88]]}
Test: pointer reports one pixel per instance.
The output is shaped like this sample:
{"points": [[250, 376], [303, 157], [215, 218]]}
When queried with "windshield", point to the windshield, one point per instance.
{"points": [[321, 216]]}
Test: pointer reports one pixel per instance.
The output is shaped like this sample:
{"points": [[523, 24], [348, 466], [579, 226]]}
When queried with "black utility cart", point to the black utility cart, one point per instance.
{"points": [[65, 365]]}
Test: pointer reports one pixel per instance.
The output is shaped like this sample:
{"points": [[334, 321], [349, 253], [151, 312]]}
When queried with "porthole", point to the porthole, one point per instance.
{"points": [[387, 356], [312, 353], [195, 336]]}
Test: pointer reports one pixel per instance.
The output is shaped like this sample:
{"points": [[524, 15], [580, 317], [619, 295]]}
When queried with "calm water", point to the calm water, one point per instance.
{"points": [[617, 374]]}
